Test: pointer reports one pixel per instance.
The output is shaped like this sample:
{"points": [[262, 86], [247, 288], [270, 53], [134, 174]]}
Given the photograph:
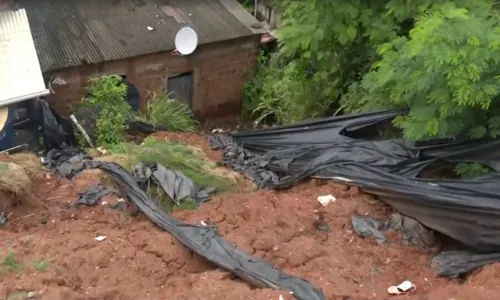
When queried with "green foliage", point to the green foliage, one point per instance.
{"points": [[438, 57], [172, 155], [249, 5], [10, 263], [283, 93], [471, 169], [108, 94], [254, 88], [169, 113], [445, 72]]}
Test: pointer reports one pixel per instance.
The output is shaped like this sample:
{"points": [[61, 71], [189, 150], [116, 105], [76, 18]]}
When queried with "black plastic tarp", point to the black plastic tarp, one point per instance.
{"points": [[203, 240], [174, 183], [348, 149]]}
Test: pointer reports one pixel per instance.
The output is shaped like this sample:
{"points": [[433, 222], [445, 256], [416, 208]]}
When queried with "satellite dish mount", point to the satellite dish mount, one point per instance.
{"points": [[186, 41]]}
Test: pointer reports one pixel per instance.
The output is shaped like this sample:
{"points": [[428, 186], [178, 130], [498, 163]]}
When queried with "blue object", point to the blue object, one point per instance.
{"points": [[7, 132]]}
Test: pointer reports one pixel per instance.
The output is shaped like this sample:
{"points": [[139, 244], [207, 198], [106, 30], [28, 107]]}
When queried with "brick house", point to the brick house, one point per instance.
{"points": [[77, 40]]}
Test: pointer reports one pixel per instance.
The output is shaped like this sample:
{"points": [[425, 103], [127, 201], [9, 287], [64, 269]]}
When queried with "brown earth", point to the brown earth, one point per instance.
{"points": [[140, 261]]}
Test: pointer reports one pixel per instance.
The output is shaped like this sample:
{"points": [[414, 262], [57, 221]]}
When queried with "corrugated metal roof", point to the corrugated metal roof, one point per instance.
{"points": [[20, 74], [72, 32]]}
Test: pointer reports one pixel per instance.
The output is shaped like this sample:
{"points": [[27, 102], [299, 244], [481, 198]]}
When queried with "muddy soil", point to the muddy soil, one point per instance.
{"points": [[51, 250]]}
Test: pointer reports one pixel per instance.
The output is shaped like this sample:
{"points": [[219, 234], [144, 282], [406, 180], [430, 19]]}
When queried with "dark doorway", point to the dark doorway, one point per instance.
{"points": [[180, 87]]}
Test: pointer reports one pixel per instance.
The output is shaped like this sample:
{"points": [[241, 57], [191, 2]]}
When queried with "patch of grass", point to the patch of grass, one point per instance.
{"points": [[172, 155], [40, 265], [190, 161], [19, 295], [167, 205], [169, 113], [10, 263]]}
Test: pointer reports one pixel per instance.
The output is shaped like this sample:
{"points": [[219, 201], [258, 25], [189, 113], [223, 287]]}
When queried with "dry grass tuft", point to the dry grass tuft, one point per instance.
{"points": [[16, 172], [15, 182], [28, 161]]}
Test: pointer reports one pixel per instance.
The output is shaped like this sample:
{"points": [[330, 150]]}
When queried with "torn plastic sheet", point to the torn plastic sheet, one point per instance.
{"points": [[453, 264], [347, 149], [92, 196], [414, 233], [57, 131], [174, 183], [3, 218], [203, 240]]}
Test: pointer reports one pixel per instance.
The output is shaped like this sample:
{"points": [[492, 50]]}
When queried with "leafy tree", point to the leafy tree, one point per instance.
{"points": [[445, 72], [435, 57]]}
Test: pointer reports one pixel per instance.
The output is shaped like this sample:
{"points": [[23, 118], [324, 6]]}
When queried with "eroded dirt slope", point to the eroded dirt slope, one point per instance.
{"points": [[56, 256]]}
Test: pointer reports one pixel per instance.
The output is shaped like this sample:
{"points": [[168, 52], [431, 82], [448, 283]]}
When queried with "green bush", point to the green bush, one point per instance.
{"points": [[282, 93], [445, 72], [108, 93], [169, 113], [362, 55], [471, 169], [439, 59]]}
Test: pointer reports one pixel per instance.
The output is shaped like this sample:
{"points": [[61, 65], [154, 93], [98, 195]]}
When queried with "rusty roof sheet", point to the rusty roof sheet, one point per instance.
{"points": [[73, 32]]}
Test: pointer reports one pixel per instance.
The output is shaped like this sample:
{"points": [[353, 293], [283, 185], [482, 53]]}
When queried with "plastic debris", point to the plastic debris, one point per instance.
{"points": [[3, 218], [102, 150], [202, 240], [404, 287], [100, 238], [326, 199]]}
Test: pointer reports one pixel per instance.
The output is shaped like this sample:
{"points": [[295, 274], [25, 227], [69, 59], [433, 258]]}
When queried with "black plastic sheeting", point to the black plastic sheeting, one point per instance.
{"points": [[174, 183], [203, 240], [56, 131], [348, 149], [413, 233], [92, 195]]}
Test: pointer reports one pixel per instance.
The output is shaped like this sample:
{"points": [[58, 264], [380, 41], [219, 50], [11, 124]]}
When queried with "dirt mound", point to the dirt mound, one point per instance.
{"points": [[51, 250]]}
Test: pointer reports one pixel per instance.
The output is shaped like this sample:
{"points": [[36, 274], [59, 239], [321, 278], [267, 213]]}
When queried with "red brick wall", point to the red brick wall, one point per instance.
{"points": [[219, 71]]}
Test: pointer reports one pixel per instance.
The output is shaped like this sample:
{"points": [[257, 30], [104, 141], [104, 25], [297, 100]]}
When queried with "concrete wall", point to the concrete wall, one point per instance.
{"points": [[266, 13], [219, 71]]}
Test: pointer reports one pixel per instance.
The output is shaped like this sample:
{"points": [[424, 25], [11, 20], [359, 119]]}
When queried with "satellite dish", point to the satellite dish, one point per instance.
{"points": [[186, 41]]}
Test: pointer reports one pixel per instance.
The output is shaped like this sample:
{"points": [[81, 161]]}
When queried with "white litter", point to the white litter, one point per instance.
{"points": [[31, 295], [326, 199], [404, 287], [102, 150], [281, 298], [203, 223], [150, 28], [121, 200], [100, 238]]}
